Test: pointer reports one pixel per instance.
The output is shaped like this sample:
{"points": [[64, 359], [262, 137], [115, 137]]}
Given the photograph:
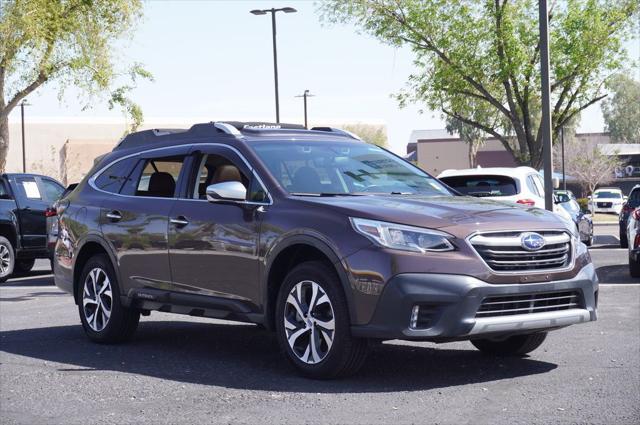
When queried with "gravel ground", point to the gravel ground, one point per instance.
{"points": [[187, 370]]}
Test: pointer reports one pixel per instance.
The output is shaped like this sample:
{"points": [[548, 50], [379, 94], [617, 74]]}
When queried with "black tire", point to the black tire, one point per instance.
{"points": [[589, 240], [7, 259], [634, 267], [624, 243], [517, 345], [346, 354], [24, 266], [122, 322]]}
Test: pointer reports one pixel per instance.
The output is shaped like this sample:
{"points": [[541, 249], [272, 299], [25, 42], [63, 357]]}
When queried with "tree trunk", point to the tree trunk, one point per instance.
{"points": [[4, 143], [473, 154]]}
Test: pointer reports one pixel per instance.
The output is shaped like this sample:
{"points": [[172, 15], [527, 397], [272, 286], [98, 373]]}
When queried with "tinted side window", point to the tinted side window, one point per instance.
{"points": [[159, 177], [112, 179], [52, 190], [214, 169], [634, 198]]}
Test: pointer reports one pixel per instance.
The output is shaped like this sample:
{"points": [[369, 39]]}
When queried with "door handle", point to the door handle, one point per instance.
{"points": [[114, 215], [179, 221]]}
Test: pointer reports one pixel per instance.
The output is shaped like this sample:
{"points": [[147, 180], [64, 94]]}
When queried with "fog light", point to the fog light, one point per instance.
{"points": [[413, 324]]}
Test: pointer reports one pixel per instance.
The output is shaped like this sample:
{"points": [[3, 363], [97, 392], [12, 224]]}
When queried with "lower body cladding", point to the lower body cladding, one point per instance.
{"points": [[444, 307]]}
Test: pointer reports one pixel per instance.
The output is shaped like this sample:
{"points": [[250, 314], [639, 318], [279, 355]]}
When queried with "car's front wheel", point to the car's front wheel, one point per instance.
{"points": [[103, 316], [7, 259], [517, 345], [24, 266], [312, 324]]}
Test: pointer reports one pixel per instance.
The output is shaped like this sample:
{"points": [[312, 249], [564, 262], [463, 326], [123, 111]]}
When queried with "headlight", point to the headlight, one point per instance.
{"points": [[406, 238]]}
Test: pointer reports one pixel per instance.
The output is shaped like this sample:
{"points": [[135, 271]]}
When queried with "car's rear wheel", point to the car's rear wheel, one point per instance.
{"points": [[312, 324], [103, 316], [7, 259], [517, 345], [24, 266], [634, 267]]}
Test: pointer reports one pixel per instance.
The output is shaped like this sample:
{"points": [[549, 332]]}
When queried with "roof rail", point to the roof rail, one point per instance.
{"points": [[337, 131], [228, 128]]}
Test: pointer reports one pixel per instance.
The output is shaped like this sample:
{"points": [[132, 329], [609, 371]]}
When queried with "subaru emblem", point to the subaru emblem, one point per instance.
{"points": [[532, 241]]}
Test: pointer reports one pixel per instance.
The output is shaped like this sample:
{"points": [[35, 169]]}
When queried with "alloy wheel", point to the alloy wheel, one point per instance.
{"points": [[309, 322], [5, 259], [97, 299]]}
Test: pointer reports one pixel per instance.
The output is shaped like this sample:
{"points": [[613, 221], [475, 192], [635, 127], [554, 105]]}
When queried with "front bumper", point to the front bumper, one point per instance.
{"points": [[449, 304]]}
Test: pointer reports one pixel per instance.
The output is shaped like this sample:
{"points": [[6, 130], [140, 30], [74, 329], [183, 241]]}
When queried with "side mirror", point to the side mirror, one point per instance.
{"points": [[226, 191]]}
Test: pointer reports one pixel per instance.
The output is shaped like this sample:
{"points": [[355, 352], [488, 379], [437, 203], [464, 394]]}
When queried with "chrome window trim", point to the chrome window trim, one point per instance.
{"points": [[570, 266], [189, 145]]}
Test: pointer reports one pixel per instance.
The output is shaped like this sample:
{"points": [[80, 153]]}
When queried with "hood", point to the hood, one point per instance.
{"points": [[467, 213]]}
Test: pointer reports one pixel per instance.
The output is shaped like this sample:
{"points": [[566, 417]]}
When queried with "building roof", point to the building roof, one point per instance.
{"points": [[619, 148], [434, 134]]}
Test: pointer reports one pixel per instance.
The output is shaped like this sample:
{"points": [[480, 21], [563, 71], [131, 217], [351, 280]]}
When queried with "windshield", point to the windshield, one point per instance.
{"points": [[343, 168], [608, 195], [482, 185]]}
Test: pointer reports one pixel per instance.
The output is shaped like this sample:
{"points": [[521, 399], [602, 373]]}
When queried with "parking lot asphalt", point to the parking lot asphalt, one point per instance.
{"points": [[188, 370]]}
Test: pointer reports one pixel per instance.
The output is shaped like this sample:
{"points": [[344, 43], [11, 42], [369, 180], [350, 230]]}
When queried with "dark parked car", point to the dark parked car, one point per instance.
{"points": [[633, 236], [24, 199], [630, 204], [582, 219], [327, 240]]}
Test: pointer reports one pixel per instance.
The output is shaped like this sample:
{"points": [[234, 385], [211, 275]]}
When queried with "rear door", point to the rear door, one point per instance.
{"points": [[134, 220], [31, 203]]}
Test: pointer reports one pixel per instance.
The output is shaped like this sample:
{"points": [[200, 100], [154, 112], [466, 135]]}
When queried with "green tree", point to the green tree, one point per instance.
{"points": [[374, 134], [488, 51], [69, 42], [621, 111]]}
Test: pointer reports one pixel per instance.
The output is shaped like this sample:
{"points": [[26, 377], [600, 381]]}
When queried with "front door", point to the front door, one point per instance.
{"points": [[213, 246], [31, 203]]}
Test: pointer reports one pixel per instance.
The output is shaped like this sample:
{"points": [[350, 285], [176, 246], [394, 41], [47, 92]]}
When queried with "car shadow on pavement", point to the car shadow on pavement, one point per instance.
{"points": [[34, 278], [616, 274], [245, 357]]}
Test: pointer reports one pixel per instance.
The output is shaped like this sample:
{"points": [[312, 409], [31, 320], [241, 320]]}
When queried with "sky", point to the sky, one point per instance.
{"points": [[212, 60]]}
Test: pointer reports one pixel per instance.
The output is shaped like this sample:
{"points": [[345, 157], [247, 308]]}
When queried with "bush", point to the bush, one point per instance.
{"points": [[584, 203]]}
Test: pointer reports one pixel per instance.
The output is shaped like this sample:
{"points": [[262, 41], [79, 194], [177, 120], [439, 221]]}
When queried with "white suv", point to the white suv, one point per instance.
{"points": [[522, 185], [606, 200]]}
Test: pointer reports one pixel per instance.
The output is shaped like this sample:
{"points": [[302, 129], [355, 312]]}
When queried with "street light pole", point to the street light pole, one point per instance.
{"points": [[545, 125], [275, 50], [305, 95], [564, 176], [24, 155]]}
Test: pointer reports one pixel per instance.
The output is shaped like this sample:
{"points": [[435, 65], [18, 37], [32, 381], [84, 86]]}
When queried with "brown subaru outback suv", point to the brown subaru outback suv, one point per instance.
{"points": [[327, 240]]}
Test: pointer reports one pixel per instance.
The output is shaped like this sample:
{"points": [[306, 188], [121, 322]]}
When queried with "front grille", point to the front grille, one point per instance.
{"points": [[504, 251], [529, 303], [604, 204]]}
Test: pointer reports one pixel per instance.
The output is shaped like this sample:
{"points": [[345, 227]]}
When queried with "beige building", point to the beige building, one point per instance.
{"points": [[65, 148], [437, 150]]}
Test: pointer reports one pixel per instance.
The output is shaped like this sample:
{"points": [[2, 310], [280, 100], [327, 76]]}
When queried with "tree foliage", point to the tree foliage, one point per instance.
{"points": [[621, 111], [470, 53], [70, 42], [588, 164], [374, 134]]}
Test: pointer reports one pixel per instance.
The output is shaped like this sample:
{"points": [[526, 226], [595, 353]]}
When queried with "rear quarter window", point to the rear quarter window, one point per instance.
{"points": [[112, 179], [483, 185]]}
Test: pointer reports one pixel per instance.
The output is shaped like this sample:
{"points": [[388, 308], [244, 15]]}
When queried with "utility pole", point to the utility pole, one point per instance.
{"points": [[545, 125], [273, 12], [564, 176], [305, 95], [24, 155]]}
